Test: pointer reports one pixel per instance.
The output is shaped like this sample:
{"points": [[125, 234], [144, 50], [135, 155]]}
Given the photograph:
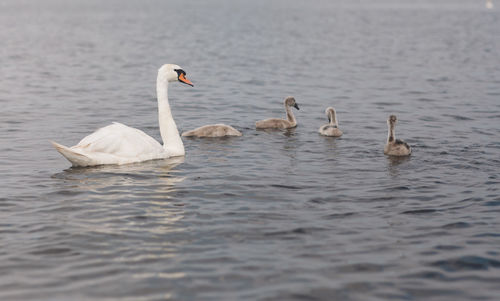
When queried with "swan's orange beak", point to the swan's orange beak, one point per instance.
{"points": [[182, 78]]}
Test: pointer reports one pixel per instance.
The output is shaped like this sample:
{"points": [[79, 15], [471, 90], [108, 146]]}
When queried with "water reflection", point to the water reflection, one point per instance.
{"points": [[289, 132], [117, 199], [286, 132], [99, 177], [394, 163], [214, 143], [331, 145]]}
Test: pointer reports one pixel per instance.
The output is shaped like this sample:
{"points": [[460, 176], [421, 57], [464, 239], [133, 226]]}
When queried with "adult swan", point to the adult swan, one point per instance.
{"points": [[120, 144]]}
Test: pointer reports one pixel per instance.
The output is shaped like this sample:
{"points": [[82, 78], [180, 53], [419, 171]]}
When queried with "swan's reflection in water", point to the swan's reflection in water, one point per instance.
{"points": [[393, 164], [331, 146], [160, 173], [125, 215]]}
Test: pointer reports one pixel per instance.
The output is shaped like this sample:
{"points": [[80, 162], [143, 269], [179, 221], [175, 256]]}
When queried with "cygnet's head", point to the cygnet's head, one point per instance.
{"points": [[392, 119], [172, 73], [290, 101]]}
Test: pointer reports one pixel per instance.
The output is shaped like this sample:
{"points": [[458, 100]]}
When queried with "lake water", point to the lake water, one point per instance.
{"points": [[272, 215]]}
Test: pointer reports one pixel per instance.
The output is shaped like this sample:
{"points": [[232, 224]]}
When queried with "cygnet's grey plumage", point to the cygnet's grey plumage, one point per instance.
{"points": [[278, 123], [332, 127], [212, 131], [395, 147]]}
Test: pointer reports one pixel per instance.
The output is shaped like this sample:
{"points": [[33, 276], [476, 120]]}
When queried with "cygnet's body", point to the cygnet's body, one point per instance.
{"points": [[212, 131], [278, 123], [395, 147], [332, 127]]}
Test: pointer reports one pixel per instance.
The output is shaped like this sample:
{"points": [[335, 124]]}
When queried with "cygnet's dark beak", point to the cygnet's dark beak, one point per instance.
{"points": [[296, 106]]}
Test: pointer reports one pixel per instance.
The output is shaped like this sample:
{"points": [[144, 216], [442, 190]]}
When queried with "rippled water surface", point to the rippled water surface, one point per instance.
{"points": [[272, 215]]}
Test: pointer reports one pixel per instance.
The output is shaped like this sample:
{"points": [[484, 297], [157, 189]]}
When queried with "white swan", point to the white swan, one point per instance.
{"points": [[395, 147], [332, 127], [278, 123], [212, 131], [120, 144]]}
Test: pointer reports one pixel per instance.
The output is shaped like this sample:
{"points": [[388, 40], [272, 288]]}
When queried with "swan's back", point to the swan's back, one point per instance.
{"points": [[330, 130], [113, 144], [397, 148], [213, 130], [119, 140]]}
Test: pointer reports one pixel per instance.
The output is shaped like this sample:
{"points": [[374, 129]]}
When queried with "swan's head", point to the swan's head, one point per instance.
{"points": [[392, 120], [330, 112], [290, 101], [173, 73]]}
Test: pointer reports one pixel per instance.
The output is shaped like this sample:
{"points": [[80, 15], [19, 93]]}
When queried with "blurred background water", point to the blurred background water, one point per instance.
{"points": [[272, 215]]}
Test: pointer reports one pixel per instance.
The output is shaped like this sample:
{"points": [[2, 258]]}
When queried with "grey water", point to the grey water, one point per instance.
{"points": [[271, 215]]}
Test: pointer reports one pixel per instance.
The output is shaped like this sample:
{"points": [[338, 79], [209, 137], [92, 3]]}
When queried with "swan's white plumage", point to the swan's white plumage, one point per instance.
{"points": [[120, 140], [113, 144], [121, 144]]}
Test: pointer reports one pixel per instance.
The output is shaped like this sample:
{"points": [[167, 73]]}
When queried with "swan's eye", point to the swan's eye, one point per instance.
{"points": [[180, 72]]}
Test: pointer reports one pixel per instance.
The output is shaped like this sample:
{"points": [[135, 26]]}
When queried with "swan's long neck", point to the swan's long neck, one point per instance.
{"points": [[172, 142], [333, 118], [289, 115], [391, 135]]}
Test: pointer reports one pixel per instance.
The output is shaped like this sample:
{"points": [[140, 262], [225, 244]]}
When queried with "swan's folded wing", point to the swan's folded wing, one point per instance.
{"points": [[119, 140]]}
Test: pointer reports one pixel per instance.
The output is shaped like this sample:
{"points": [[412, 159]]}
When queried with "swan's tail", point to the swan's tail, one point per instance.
{"points": [[77, 159]]}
